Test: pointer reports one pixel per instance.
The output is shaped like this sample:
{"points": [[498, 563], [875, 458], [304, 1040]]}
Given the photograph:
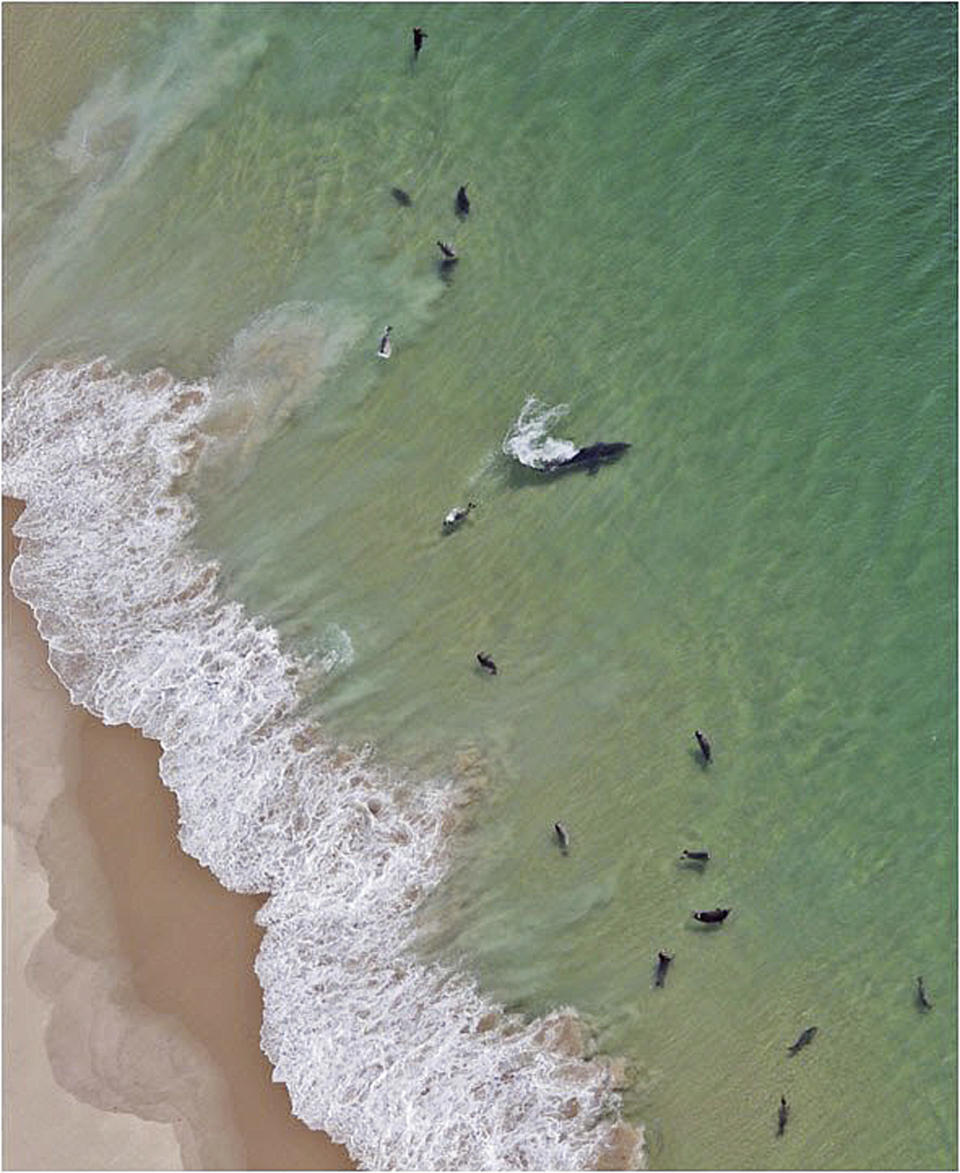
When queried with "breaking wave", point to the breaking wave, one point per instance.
{"points": [[406, 1063]]}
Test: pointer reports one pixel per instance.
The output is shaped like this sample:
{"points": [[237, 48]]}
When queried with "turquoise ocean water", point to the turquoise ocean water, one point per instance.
{"points": [[723, 233]]}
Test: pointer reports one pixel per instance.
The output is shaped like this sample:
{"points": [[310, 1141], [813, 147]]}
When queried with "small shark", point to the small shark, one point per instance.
{"points": [[713, 916], [804, 1040], [704, 742], [782, 1115], [922, 1000], [456, 516], [663, 960], [486, 663]]}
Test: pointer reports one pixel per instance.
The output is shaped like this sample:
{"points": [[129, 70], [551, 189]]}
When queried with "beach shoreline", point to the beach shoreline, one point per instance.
{"points": [[124, 955]]}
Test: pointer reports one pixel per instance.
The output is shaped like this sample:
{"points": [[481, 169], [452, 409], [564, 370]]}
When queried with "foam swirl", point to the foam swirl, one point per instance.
{"points": [[405, 1063], [529, 441]]}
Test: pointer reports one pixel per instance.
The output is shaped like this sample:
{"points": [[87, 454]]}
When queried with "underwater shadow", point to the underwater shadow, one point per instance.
{"points": [[521, 476], [696, 755]]}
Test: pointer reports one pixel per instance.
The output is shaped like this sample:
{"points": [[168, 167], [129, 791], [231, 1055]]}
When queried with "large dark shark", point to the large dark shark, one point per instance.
{"points": [[590, 457]]}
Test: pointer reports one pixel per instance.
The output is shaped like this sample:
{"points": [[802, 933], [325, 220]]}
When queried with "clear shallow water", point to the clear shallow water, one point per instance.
{"points": [[721, 233]]}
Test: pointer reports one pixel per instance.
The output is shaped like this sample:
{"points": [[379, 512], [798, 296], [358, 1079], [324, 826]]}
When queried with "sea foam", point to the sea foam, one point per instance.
{"points": [[406, 1063]]}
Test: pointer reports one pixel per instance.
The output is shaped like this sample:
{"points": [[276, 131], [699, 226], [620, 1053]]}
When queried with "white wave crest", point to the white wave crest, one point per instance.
{"points": [[405, 1063], [529, 440]]}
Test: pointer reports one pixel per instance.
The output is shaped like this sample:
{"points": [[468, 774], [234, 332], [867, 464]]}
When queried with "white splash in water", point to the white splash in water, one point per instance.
{"points": [[529, 440]]}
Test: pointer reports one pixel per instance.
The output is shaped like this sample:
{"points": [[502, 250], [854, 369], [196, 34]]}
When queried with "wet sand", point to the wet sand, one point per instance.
{"points": [[131, 1009]]}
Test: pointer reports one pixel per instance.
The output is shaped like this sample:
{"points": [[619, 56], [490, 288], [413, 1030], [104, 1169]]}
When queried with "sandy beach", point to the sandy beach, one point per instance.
{"points": [[131, 1010]]}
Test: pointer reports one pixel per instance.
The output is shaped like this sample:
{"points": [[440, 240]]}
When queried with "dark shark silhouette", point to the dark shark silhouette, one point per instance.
{"points": [[712, 916], [783, 1114], [805, 1039], [563, 837], [922, 1000], [590, 457], [663, 961]]}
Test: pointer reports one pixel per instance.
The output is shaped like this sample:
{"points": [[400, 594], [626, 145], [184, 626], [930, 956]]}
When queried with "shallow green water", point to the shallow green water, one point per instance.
{"points": [[725, 234]]}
